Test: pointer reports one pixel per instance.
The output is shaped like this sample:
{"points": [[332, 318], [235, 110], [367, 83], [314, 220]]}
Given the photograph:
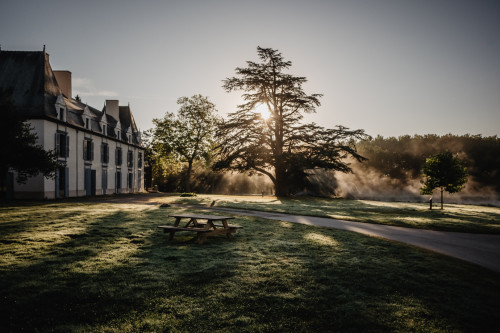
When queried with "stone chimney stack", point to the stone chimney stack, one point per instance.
{"points": [[64, 81], [113, 109]]}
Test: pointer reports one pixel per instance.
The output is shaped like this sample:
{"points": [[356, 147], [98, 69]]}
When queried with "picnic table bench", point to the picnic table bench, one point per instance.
{"points": [[203, 225]]}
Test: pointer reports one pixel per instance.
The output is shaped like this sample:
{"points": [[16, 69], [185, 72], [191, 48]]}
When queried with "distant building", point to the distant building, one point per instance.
{"points": [[101, 151]]}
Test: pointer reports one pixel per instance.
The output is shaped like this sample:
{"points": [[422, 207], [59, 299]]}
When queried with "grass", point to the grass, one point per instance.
{"points": [[104, 267], [460, 218]]}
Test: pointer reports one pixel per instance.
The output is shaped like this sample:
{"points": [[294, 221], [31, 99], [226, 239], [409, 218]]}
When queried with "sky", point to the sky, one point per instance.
{"points": [[390, 67]]}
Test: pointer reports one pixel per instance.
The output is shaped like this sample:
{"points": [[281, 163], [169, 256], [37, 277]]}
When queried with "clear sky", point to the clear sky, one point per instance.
{"points": [[391, 67]]}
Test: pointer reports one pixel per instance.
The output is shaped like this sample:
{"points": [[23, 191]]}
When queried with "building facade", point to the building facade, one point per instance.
{"points": [[100, 151]]}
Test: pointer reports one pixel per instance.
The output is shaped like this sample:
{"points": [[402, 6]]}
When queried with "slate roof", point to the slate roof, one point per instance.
{"points": [[27, 78]]}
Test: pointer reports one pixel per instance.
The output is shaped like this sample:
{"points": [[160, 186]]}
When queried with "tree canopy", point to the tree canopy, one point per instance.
{"points": [[443, 171], [19, 149], [187, 136], [265, 135]]}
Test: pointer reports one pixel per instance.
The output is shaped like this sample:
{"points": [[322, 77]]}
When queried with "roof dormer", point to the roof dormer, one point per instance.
{"points": [[129, 135], [139, 139], [61, 108], [86, 117], [118, 129], [104, 124]]}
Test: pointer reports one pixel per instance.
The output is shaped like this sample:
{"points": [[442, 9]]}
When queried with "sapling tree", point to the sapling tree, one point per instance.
{"points": [[444, 172]]}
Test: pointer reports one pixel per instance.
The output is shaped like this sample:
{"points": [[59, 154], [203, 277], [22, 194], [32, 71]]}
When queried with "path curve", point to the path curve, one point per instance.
{"points": [[480, 249]]}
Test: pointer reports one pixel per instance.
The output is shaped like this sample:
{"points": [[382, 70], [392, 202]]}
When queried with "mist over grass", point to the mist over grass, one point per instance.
{"points": [[455, 217], [372, 185], [393, 167], [104, 267]]}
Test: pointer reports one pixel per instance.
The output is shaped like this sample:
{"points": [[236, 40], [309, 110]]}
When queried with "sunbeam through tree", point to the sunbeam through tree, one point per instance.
{"points": [[280, 146]]}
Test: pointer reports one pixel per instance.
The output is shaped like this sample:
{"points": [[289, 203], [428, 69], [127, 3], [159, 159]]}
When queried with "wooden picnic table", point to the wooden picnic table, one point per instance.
{"points": [[203, 225]]}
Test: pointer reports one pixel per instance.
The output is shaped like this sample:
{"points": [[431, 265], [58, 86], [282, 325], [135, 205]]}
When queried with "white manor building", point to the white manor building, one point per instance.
{"points": [[101, 150]]}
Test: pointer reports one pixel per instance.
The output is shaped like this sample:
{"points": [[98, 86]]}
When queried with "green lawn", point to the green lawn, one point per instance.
{"points": [[461, 218], [105, 267]]}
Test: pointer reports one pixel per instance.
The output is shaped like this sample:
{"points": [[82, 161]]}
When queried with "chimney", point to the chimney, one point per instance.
{"points": [[63, 79], [112, 108]]}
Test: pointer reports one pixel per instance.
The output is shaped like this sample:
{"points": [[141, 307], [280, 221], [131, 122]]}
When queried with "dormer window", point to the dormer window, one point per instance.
{"points": [[60, 108], [61, 113], [118, 134], [87, 117]]}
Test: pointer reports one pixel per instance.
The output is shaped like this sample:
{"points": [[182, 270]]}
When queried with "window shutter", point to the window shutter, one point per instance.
{"points": [[85, 149], [67, 145], [91, 150], [57, 144], [102, 153], [107, 154]]}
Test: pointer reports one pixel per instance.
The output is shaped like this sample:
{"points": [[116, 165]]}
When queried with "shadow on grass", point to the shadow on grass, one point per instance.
{"points": [[119, 273]]}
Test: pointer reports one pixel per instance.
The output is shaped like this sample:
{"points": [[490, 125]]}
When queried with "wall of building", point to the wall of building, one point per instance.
{"points": [[34, 186], [40, 187]]}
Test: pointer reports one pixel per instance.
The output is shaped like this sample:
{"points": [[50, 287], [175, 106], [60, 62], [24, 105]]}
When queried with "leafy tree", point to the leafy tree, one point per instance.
{"points": [[443, 171], [187, 137], [18, 148], [273, 141]]}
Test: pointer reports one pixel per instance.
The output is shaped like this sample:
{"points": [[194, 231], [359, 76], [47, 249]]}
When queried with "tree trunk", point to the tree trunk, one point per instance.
{"points": [[281, 185], [3, 187], [187, 181], [3, 183], [442, 190]]}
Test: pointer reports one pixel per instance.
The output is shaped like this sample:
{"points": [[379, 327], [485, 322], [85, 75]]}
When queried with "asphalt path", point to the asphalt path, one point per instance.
{"points": [[480, 249]]}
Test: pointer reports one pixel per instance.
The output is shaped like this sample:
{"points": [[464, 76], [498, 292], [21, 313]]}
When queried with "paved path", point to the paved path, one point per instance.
{"points": [[480, 249]]}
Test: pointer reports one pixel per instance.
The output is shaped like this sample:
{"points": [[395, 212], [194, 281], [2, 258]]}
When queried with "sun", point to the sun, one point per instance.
{"points": [[263, 110]]}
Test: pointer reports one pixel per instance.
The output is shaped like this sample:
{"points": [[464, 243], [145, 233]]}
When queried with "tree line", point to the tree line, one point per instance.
{"points": [[403, 158]]}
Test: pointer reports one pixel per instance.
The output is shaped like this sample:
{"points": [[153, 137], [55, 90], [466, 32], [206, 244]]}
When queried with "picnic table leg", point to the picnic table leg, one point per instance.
{"points": [[172, 232], [228, 231], [203, 236], [195, 223]]}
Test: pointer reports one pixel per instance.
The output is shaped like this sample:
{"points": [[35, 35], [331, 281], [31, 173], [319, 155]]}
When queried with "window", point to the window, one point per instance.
{"points": [[118, 156], [130, 180], [118, 181], [62, 144], [139, 160], [130, 158], [104, 152], [88, 150], [104, 129], [118, 134], [61, 114], [104, 180], [87, 123]]}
